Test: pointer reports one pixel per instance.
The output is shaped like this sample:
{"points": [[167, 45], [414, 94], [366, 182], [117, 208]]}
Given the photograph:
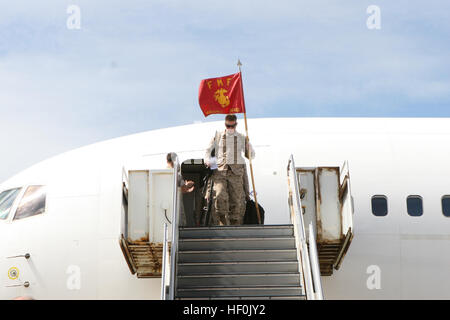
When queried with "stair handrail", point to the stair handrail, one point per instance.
{"points": [[303, 255], [165, 277], [315, 266], [175, 224]]}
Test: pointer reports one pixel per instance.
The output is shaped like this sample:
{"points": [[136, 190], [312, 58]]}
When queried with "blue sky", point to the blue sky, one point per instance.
{"points": [[136, 65]]}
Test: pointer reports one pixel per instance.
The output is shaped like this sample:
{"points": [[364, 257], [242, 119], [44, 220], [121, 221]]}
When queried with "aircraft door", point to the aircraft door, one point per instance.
{"points": [[138, 205], [306, 178], [149, 204], [161, 204], [326, 199], [346, 200]]}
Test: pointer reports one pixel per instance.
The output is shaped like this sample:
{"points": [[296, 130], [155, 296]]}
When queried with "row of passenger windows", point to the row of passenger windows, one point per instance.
{"points": [[31, 203], [414, 205]]}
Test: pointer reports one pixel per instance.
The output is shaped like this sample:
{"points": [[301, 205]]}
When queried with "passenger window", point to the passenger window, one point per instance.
{"points": [[32, 202], [6, 201], [379, 206], [414, 206], [446, 206]]}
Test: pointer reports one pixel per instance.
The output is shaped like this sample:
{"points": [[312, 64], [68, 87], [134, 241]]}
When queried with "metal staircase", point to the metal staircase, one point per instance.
{"points": [[241, 262], [238, 262]]}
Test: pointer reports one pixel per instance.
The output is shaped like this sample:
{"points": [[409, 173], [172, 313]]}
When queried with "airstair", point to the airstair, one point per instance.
{"points": [[237, 262], [241, 262]]}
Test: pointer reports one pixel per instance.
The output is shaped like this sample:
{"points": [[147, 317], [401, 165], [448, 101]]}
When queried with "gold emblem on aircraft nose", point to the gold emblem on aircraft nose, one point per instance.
{"points": [[13, 273]]}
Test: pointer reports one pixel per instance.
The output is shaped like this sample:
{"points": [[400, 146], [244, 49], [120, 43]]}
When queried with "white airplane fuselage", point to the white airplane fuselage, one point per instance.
{"points": [[74, 249]]}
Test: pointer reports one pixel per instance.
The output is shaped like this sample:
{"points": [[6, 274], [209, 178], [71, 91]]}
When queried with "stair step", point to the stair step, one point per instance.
{"points": [[237, 255], [235, 292], [249, 231], [230, 267], [229, 280], [237, 243]]}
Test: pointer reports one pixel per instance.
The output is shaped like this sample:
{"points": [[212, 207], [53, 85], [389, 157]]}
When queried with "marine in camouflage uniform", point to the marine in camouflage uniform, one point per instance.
{"points": [[229, 194]]}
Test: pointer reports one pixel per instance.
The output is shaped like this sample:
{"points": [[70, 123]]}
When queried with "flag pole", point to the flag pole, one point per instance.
{"points": [[248, 144]]}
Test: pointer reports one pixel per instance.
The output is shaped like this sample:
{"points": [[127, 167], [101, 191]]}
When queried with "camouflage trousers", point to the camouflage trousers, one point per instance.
{"points": [[228, 198]]}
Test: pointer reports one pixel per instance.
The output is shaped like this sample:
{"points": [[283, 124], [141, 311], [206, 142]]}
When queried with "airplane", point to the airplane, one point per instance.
{"points": [[68, 224]]}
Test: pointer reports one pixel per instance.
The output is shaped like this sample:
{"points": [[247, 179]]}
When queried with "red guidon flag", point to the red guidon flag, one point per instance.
{"points": [[221, 95]]}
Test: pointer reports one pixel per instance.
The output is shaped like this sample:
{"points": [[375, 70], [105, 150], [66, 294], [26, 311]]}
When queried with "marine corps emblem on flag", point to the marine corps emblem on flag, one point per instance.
{"points": [[221, 98], [221, 95]]}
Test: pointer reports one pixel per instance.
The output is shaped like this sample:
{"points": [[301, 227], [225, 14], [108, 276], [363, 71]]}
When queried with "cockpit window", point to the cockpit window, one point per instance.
{"points": [[6, 201], [32, 202]]}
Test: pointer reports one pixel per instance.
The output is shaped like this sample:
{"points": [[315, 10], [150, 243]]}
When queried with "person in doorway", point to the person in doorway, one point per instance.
{"points": [[186, 186]]}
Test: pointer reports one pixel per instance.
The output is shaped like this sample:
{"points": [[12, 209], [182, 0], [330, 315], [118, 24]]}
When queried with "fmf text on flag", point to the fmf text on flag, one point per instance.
{"points": [[221, 95]]}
